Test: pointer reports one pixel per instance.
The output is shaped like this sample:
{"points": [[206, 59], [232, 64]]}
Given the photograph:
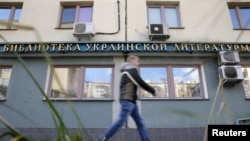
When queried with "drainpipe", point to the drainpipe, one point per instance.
{"points": [[119, 26], [125, 53]]}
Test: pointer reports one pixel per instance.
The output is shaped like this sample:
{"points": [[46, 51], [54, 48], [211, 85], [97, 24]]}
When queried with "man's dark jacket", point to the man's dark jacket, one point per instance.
{"points": [[130, 80]]}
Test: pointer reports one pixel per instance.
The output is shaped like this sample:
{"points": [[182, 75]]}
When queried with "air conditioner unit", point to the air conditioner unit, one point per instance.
{"points": [[158, 32], [230, 74], [83, 29], [243, 121], [229, 58]]}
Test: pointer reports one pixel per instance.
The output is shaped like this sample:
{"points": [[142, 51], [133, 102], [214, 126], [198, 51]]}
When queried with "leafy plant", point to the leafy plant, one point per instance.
{"points": [[63, 134]]}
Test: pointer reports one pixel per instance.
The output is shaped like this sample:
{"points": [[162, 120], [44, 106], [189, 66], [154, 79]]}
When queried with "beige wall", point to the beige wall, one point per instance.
{"points": [[202, 21]]}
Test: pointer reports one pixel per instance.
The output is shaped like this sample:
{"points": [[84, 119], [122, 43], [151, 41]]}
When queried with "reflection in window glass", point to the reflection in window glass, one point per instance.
{"points": [[17, 14], [186, 82], [85, 14], [97, 83], [234, 18], [5, 15], [240, 17], [4, 81], [68, 77], [68, 17], [245, 17], [156, 77], [171, 16], [154, 15], [246, 82], [164, 15], [76, 13]]}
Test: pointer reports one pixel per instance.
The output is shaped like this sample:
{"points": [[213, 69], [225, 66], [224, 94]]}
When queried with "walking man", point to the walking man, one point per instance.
{"points": [[130, 81]]}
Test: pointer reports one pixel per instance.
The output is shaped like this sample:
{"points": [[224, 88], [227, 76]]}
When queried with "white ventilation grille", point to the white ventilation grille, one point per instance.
{"points": [[231, 74], [80, 28], [229, 58], [83, 29]]}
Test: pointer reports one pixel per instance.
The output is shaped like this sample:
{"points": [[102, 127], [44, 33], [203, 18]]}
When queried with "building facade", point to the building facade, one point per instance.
{"points": [[194, 53]]}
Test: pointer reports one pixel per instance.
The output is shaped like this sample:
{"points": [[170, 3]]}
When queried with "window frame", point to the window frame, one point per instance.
{"points": [[202, 92], [81, 79], [171, 85], [12, 7], [236, 8], [77, 13], [162, 14], [6, 67]]}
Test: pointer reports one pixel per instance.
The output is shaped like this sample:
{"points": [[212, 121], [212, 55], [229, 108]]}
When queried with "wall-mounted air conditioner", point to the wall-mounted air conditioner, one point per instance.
{"points": [[158, 32], [230, 74], [228, 58], [243, 121], [83, 29]]}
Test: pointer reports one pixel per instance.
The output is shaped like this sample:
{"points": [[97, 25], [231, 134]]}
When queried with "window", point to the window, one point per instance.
{"points": [[9, 14], [186, 82], [81, 82], [156, 77], [246, 81], [164, 14], [78, 13], [240, 17], [5, 73], [173, 82], [97, 83]]}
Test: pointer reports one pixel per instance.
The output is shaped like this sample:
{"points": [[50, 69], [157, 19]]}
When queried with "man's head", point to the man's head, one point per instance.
{"points": [[134, 60]]}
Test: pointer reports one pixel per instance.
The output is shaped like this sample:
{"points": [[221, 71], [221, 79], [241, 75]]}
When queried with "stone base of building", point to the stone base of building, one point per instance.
{"points": [[124, 134]]}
